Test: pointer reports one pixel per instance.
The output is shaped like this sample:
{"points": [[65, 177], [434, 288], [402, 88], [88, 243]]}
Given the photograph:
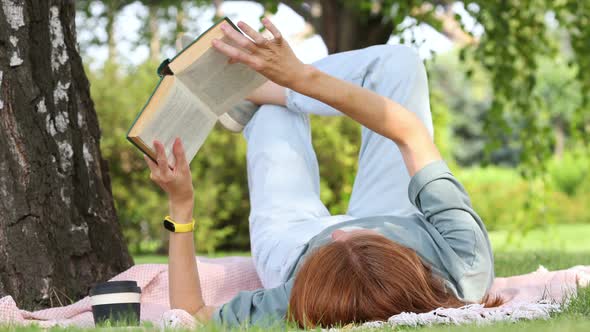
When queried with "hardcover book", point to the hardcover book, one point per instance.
{"points": [[196, 87]]}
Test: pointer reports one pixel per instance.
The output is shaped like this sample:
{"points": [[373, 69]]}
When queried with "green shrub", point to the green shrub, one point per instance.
{"points": [[496, 194], [502, 199], [570, 172]]}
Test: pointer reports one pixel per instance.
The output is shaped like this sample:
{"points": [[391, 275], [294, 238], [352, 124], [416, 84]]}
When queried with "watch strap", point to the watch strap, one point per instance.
{"points": [[176, 227]]}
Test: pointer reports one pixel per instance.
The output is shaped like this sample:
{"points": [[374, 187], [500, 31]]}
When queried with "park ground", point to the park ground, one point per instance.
{"points": [[556, 247]]}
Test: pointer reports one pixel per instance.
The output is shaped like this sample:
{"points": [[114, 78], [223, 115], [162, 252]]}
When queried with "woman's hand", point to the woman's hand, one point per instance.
{"points": [[176, 182], [272, 58]]}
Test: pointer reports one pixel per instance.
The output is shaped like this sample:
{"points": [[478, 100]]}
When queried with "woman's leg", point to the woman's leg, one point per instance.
{"points": [[284, 185], [394, 71]]}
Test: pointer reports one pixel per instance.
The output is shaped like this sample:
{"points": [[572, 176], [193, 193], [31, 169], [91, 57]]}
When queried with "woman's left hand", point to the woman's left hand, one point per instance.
{"points": [[176, 182], [272, 58]]}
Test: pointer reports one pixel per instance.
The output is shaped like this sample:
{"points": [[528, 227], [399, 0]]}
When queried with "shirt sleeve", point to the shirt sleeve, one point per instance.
{"points": [[445, 204], [262, 307]]}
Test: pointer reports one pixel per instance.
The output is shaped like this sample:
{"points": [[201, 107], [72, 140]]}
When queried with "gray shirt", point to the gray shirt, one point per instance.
{"points": [[447, 235]]}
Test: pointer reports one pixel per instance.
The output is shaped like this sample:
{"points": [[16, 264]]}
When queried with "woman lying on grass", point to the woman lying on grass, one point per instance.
{"points": [[388, 254]]}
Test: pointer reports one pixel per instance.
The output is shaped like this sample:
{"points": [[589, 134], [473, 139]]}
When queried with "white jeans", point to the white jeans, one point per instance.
{"points": [[283, 176]]}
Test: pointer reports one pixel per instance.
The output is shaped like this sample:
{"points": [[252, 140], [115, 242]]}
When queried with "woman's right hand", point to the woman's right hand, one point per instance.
{"points": [[175, 181], [272, 58]]}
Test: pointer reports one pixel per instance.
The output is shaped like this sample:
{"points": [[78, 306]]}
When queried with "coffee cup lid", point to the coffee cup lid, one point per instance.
{"points": [[123, 286]]}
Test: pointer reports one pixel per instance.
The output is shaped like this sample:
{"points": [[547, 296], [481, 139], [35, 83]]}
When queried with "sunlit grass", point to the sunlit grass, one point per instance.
{"points": [[567, 238]]}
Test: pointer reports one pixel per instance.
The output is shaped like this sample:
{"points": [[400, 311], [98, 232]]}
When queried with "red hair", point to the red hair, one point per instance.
{"points": [[366, 278]]}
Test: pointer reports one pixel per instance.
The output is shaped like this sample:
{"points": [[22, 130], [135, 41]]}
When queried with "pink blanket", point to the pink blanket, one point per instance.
{"points": [[223, 278]]}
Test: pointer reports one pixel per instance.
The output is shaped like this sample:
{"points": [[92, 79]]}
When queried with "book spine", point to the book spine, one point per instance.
{"points": [[164, 69]]}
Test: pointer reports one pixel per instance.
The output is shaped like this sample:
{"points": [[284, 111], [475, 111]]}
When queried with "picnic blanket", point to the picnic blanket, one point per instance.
{"points": [[221, 279], [529, 296]]}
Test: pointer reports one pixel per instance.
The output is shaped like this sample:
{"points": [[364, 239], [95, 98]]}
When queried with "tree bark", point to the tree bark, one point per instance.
{"points": [[59, 233]]}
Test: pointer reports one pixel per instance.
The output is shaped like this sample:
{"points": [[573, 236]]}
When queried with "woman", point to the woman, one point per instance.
{"points": [[388, 254]]}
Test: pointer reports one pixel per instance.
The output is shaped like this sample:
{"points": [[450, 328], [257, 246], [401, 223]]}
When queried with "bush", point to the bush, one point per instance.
{"points": [[569, 172], [501, 198], [496, 194]]}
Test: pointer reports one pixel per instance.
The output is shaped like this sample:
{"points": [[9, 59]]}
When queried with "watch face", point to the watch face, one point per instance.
{"points": [[169, 226]]}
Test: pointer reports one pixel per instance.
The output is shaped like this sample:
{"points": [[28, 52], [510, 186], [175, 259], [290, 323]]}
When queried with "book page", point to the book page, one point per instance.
{"points": [[181, 115], [217, 83]]}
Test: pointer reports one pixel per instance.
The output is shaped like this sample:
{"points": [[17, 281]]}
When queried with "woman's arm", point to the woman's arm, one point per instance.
{"points": [[378, 113], [275, 60], [183, 275]]}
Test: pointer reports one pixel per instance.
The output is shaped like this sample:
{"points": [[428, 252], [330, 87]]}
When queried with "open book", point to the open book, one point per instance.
{"points": [[196, 87]]}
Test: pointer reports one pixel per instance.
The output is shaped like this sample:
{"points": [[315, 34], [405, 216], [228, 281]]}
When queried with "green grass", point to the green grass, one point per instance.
{"points": [[569, 238], [559, 247], [558, 323]]}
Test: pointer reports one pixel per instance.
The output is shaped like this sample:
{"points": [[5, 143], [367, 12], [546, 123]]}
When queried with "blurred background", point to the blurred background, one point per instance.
{"points": [[509, 88]]}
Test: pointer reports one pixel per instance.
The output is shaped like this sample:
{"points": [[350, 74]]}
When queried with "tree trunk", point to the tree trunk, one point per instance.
{"points": [[218, 12], [342, 26], [110, 29], [59, 233], [154, 33], [344, 29], [180, 28]]}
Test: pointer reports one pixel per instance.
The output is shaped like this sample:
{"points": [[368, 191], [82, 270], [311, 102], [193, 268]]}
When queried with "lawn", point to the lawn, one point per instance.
{"points": [[555, 248], [566, 238]]}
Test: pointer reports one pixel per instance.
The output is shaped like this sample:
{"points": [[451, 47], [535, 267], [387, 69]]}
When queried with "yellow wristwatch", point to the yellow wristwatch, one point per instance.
{"points": [[175, 227]]}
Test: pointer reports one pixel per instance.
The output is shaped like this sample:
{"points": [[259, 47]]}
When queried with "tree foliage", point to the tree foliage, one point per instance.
{"points": [[515, 81], [514, 40]]}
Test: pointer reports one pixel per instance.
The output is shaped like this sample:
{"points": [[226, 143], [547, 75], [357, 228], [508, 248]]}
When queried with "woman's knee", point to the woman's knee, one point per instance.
{"points": [[398, 59], [273, 120]]}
